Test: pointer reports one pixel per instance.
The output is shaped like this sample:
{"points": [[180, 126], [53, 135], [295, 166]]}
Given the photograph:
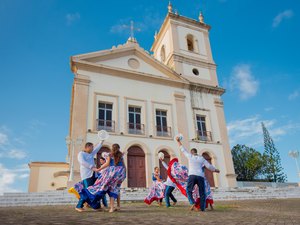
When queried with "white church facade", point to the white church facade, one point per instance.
{"points": [[143, 100]]}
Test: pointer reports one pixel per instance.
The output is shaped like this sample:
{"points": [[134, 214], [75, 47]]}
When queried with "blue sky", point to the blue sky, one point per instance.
{"points": [[255, 45]]}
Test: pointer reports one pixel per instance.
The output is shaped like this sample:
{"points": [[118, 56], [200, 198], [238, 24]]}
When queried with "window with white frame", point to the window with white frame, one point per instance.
{"points": [[162, 128], [134, 117], [105, 121], [202, 132]]}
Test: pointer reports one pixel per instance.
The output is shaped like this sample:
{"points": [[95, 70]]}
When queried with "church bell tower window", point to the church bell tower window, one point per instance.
{"points": [[190, 42]]}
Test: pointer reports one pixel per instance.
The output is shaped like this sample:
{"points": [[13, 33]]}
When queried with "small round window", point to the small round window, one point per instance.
{"points": [[133, 63], [195, 71]]}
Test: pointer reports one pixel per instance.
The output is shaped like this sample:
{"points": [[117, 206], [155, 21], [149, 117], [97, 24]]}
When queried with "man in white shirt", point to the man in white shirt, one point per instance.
{"points": [[196, 174], [170, 186], [87, 168]]}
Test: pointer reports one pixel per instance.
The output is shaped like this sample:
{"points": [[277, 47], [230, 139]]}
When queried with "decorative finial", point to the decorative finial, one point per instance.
{"points": [[170, 7], [155, 35], [201, 18]]}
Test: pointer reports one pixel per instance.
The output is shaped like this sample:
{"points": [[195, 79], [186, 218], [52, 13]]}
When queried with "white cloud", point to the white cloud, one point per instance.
{"points": [[10, 177], [294, 95], [16, 154], [243, 80], [121, 27], [72, 17], [8, 148], [249, 131], [287, 14]]}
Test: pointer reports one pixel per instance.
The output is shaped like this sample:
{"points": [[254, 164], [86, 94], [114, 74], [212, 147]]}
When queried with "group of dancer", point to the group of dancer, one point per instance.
{"points": [[190, 182], [96, 182]]}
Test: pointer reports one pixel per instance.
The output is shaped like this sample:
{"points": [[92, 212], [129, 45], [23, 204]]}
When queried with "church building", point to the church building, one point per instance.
{"points": [[143, 100]]}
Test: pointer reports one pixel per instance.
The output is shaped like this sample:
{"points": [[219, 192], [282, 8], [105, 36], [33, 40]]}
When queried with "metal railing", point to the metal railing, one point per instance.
{"points": [[136, 128], [163, 131], [108, 125], [204, 135]]}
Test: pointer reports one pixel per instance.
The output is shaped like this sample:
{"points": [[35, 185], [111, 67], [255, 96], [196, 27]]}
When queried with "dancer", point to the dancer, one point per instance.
{"points": [[179, 175], [208, 193], [157, 189], [113, 175], [169, 188], [196, 175], [99, 174], [118, 208], [87, 168]]}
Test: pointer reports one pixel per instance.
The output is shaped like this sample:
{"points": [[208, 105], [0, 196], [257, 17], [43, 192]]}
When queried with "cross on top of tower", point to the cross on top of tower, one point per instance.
{"points": [[132, 29]]}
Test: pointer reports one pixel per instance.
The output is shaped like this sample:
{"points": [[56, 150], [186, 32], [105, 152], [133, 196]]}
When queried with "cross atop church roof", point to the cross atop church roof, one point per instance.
{"points": [[132, 29]]}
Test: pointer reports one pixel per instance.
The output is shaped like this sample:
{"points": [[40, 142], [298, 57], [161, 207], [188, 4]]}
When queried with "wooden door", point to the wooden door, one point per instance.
{"points": [[163, 171], [136, 167], [209, 174], [103, 149]]}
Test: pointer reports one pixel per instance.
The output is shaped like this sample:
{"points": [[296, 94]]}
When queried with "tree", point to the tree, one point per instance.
{"points": [[248, 163], [273, 169]]}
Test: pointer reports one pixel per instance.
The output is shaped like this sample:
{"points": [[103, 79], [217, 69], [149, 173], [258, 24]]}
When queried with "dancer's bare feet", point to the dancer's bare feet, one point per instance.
{"points": [[79, 209], [193, 208], [111, 210], [211, 207], [174, 203]]}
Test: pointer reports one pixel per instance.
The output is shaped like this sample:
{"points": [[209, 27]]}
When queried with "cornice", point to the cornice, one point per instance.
{"points": [[206, 89], [189, 21], [47, 164], [81, 81], [178, 57]]}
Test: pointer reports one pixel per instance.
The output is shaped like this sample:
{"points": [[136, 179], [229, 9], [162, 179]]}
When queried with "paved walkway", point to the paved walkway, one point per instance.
{"points": [[271, 212]]}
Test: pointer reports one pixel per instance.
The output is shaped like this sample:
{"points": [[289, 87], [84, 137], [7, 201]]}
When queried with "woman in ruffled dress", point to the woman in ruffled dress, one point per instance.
{"points": [[157, 189], [113, 173]]}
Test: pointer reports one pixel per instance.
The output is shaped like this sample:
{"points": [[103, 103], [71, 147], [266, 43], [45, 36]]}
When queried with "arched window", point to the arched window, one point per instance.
{"points": [[190, 42], [163, 54]]}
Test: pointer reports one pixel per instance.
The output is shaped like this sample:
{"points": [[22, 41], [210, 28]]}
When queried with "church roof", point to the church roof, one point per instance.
{"points": [[130, 49]]}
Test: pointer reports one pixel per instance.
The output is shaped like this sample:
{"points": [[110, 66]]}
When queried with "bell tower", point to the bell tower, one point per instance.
{"points": [[183, 45]]}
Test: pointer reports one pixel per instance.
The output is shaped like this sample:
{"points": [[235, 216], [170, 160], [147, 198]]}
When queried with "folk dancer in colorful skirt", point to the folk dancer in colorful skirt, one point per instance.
{"points": [[169, 188], [113, 174], [157, 189], [76, 190], [87, 168], [196, 175]]}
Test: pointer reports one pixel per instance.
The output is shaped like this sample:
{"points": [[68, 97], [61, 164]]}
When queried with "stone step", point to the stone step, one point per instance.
{"points": [[64, 198]]}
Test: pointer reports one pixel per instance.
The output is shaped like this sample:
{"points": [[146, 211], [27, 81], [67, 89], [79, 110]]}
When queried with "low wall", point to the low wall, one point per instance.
{"points": [[242, 184]]}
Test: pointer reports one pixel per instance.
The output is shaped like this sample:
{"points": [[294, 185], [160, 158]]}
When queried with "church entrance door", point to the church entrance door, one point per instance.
{"points": [[136, 167]]}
